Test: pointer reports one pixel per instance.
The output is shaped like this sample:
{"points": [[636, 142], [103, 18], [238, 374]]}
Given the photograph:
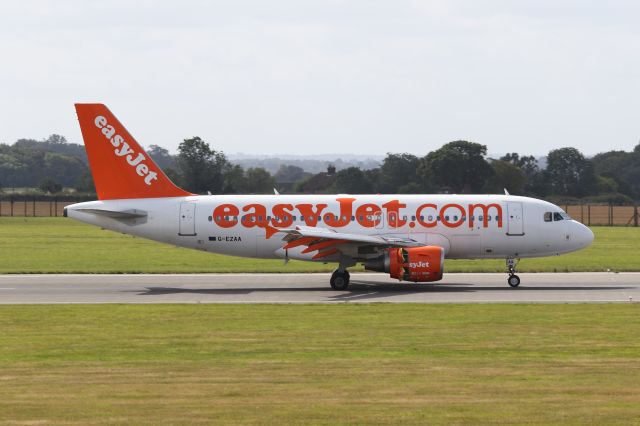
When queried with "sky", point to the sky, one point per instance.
{"points": [[317, 77]]}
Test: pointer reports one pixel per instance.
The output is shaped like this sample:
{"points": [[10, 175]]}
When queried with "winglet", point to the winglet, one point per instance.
{"points": [[120, 167]]}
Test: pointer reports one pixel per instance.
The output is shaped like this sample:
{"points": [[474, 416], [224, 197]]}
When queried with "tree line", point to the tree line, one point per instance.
{"points": [[456, 167]]}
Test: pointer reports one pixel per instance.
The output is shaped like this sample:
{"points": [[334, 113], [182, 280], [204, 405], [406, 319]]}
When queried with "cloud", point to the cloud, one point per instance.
{"points": [[328, 76]]}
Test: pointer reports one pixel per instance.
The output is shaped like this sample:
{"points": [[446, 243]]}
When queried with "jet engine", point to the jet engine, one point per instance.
{"points": [[417, 264]]}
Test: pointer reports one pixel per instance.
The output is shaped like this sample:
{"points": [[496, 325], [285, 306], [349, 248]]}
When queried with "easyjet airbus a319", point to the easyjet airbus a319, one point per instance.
{"points": [[406, 236]]}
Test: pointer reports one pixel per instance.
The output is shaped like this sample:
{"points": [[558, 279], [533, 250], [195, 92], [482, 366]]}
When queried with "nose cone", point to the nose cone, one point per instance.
{"points": [[583, 236]]}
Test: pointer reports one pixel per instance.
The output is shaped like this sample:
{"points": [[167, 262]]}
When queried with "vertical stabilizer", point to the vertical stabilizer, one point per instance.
{"points": [[120, 167]]}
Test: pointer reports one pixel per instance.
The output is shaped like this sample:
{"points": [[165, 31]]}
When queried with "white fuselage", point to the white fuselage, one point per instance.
{"points": [[466, 226]]}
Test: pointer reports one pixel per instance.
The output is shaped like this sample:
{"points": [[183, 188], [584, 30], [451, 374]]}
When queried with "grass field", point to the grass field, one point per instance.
{"points": [[60, 245], [284, 364]]}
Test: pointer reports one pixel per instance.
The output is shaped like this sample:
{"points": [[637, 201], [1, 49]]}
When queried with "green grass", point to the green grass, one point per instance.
{"points": [[320, 364], [60, 245]]}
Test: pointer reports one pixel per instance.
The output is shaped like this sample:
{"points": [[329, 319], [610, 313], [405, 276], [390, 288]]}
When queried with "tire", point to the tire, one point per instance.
{"points": [[513, 280], [339, 280]]}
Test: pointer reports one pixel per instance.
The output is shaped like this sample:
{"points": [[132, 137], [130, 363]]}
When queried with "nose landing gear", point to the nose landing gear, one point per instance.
{"points": [[513, 280]]}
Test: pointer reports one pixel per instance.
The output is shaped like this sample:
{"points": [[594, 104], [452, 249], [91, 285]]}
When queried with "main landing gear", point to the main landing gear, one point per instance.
{"points": [[339, 279], [513, 280]]}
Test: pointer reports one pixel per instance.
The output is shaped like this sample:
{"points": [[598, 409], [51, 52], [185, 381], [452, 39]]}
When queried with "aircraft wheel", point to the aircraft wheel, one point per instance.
{"points": [[513, 280], [339, 280]]}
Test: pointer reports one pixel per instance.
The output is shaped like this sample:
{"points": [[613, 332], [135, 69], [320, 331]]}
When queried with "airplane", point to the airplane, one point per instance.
{"points": [[406, 236]]}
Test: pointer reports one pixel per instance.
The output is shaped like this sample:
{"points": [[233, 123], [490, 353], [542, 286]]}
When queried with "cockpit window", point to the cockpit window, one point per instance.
{"points": [[561, 216], [547, 217]]}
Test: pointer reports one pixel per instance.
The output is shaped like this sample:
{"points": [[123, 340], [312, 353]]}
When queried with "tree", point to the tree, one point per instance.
{"points": [[160, 156], [352, 180], [570, 173], [85, 184], [320, 183], [505, 176], [234, 180], [527, 163], [459, 166], [396, 171], [623, 167], [289, 174], [56, 139], [535, 180], [201, 168], [259, 181], [50, 186]]}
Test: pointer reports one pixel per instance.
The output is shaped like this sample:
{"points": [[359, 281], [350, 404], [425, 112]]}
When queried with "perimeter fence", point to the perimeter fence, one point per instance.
{"points": [[37, 206], [589, 214]]}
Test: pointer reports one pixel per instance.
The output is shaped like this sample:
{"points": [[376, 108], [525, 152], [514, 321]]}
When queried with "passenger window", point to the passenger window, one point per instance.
{"points": [[547, 217], [557, 216]]}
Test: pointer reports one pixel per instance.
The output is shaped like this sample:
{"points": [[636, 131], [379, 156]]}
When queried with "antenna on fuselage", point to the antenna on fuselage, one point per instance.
{"points": [[506, 192]]}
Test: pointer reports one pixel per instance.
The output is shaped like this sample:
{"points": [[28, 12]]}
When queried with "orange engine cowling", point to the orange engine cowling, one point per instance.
{"points": [[417, 264]]}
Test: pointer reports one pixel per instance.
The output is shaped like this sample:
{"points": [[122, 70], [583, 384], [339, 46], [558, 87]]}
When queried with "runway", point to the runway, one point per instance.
{"points": [[314, 288]]}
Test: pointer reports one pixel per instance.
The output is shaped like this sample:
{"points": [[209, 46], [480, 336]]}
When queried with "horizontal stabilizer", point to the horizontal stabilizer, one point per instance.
{"points": [[114, 214]]}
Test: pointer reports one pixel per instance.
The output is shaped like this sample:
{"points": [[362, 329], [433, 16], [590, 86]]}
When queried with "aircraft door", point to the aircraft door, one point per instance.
{"points": [[514, 219], [187, 220]]}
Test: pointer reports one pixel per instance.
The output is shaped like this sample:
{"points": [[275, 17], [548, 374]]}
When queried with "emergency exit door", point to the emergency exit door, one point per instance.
{"points": [[187, 219], [514, 219]]}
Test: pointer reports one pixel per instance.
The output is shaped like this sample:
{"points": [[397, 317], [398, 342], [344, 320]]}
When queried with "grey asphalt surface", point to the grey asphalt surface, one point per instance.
{"points": [[314, 288]]}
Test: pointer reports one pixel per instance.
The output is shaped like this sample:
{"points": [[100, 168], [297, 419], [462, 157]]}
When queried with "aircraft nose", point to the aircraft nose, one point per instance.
{"points": [[584, 235]]}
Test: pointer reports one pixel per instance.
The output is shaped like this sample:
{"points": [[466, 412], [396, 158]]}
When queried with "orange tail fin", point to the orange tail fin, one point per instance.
{"points": [[120, 167]]}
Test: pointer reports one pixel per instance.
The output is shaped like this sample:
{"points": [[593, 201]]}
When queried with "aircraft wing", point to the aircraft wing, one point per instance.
{"points": [[328, 242]]}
